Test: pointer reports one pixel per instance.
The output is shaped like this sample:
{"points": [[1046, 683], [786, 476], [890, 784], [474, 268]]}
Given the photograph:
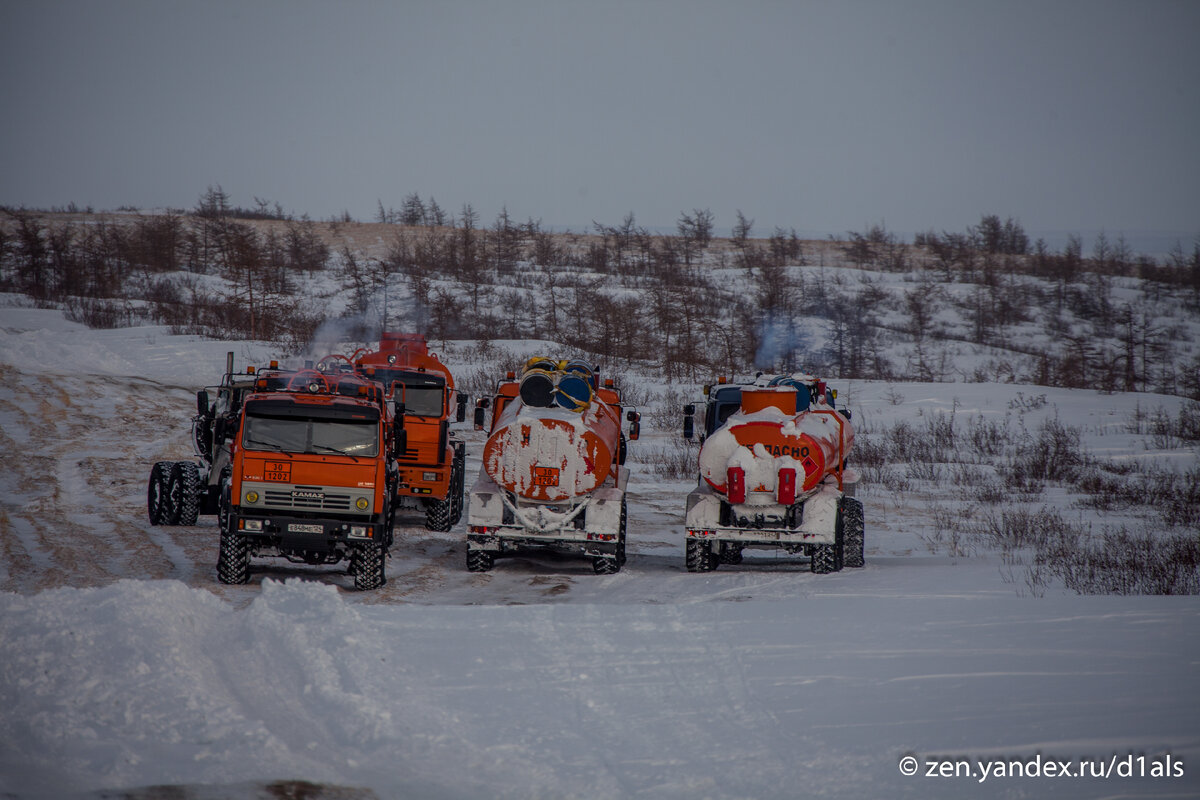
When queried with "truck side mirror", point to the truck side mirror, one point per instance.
{"points": [[461, 415], [400, 409], [401, 443], [633, 416], [478, 418], [202, 403], [689, 427], [635, 430]]}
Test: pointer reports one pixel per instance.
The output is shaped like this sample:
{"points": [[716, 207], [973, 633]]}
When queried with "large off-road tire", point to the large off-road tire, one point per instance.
{"points": [[367, 564], [183, 493], [458, 482], [824, 559], [439, 516], [224, 498], [480, 561], [389, 522], [730, 553], [853, 536], [233, 561], [156, 493], [621, 533], [606, 565], [698, 556]]}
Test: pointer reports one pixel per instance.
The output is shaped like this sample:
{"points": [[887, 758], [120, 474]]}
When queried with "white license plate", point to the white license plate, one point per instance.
{"points": [[296, 527]]}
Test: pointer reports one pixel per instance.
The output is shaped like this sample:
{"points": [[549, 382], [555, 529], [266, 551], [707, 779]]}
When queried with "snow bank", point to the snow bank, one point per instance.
{"points": [[146, 683]]}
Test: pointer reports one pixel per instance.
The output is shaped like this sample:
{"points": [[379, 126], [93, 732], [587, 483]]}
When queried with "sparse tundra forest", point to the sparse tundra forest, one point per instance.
{"points": [[981, 305]]}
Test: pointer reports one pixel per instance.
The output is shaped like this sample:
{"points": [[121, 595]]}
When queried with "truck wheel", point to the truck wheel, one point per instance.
{"points": [[224, 498], [698, 556], [367, 565], [156, 493], [184, 493], [458, 482], [730, 553], [621, 534], [438, 516], [606, 565], [389, 522], [824, 559], [233, 562], [479, 561], [853, 532]]}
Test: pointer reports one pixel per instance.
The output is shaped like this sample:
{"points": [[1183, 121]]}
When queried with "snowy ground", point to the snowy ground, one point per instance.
{"points": [[124, 664]]}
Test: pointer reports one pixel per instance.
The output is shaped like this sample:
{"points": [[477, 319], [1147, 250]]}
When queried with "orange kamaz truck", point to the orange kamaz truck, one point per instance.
{"points": [[295, 464], [432, 464], [311, 475]]}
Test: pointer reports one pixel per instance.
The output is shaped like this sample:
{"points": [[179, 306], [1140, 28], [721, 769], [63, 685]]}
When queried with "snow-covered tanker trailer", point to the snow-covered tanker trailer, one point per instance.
{"points": [[553, 472], [773, 474]]}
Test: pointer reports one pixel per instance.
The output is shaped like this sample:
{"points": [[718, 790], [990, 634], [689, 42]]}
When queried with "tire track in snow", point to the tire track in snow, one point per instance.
{"points": [[74, 512]]}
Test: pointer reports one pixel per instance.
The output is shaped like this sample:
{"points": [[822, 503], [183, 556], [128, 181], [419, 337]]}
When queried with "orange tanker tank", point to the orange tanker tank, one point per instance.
{"points": [[552, 454], [767, 438]]}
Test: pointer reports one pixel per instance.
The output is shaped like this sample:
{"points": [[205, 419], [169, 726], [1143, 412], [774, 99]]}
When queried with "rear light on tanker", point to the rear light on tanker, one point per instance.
{"points": [[787, 486], [735, 479]]}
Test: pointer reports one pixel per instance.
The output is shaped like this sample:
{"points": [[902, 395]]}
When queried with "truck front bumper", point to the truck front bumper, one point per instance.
{"points": [[305, 533]]}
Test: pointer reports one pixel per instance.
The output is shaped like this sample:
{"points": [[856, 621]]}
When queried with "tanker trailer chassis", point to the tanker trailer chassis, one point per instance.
{"points": [[503, 524], [827, 527]]}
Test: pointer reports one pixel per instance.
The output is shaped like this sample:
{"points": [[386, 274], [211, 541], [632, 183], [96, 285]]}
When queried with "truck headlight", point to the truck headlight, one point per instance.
{"points": [[251, 496], [429, 476], [362, 503]]}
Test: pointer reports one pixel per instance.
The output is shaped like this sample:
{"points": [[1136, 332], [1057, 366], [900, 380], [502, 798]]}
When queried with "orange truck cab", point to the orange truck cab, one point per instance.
{"points": [[311, 475], [432, 464]]}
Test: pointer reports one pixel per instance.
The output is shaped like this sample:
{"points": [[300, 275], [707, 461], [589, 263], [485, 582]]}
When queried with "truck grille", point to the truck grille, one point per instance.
{"points": [[309, 498]]}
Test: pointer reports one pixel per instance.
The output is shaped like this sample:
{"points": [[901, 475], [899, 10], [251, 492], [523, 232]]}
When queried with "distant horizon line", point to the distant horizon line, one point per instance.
{"points": [[1143, 241]]}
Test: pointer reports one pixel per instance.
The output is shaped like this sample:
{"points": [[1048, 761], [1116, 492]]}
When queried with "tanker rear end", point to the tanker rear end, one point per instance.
{"points": [[773, 474], [553, 475]]}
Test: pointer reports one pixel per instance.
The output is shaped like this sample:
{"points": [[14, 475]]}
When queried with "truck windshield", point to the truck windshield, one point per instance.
{"points": [[422, 392], [299, 435], [422, 401]]}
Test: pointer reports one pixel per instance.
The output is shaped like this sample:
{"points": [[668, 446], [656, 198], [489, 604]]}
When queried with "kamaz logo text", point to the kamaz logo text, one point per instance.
{"points": [[302, 495]]}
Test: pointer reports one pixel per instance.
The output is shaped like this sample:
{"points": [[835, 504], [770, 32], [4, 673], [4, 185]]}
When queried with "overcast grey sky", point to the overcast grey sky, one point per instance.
{"points": [[819, 116]]}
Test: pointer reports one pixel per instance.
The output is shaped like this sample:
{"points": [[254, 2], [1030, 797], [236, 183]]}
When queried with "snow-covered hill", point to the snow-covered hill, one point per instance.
{"points": [[124, 664]]}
